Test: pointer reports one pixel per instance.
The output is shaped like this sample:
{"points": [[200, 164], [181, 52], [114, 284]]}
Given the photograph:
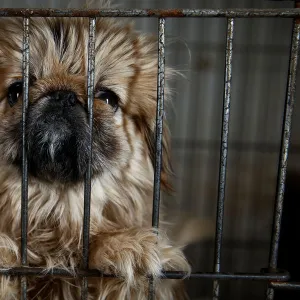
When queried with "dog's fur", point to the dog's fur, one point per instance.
{"points": [[122, 241]]}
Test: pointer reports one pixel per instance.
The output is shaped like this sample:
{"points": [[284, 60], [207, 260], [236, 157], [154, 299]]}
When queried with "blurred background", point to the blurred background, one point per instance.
{"points": [[260, 65]]}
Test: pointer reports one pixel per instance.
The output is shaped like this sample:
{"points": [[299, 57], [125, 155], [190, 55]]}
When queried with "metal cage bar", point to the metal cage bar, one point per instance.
{"points": [[223, 153], [286, 285], [279, 276], [159, 121], [285, 142], [88, 175], [24, 197], [159, 132], [158, 13]]}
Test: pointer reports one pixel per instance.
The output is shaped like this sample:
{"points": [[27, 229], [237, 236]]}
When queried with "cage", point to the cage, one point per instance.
{"points": [[261, 146]]}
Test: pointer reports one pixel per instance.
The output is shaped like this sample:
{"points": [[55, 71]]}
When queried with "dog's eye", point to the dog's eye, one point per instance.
{"points": [[108, 97], [14, 91]]}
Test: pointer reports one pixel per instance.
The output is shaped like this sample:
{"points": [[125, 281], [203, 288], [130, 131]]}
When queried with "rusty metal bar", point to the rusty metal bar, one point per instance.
{"points": [[24, 196], [88, 175], [158, 13], [285, 142], [285, 285], [159, 133], [159, 122], [280, 276], [223, 153]]}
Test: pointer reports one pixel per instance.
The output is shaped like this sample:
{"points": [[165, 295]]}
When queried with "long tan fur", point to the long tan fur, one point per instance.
{"points": [[122, 240]]}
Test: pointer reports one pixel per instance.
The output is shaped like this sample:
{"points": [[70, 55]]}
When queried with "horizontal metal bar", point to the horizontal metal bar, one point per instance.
{"points": [[158, 13], [33, 271], [280, 276], [286, 285]]}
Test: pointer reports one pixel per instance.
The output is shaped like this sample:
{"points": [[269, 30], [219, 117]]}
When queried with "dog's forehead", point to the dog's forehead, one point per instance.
{"points": [[125, 61], [61, 43]]}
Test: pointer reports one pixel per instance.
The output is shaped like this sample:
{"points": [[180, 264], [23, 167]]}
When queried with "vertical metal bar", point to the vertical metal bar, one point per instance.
{"points": [[159, 121], [159, 131], [223, 153], [285, 142], [88, 178], [24, 197]]}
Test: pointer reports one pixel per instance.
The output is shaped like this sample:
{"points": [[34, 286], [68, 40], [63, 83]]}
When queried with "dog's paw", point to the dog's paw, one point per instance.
{"points": [[135, 253], [9, 252], [127, 253], [9, 257], [9, 288]]}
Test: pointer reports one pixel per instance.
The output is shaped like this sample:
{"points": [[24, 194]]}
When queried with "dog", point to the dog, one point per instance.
{"points": [[122, 240]]}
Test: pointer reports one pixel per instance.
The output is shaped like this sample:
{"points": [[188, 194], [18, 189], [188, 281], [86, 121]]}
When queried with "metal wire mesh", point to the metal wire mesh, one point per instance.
{"points": [[276, 278]]}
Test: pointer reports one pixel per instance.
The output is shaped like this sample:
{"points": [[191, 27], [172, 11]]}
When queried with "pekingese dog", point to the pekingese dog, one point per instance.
{"points": [[122, 241]]}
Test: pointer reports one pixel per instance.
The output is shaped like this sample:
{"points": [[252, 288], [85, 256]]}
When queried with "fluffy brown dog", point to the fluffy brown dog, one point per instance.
{"points": [[122, 240]]}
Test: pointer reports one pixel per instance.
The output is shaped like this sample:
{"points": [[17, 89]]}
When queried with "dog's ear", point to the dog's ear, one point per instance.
{"points": [[148, 130], [142, 107], [149, 133]]}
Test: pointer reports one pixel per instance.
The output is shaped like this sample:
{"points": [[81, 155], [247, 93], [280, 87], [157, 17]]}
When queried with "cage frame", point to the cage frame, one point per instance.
{"points": [[277, 279]]}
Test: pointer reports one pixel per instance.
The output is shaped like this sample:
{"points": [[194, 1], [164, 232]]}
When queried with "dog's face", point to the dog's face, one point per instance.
{"points": [[57, 122]]}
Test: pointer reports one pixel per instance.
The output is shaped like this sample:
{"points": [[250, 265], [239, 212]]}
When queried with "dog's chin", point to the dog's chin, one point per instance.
{"points": [[66, 163]]}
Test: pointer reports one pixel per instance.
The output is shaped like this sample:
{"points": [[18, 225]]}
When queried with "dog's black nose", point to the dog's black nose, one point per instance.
{"points": [[64, 98]]}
